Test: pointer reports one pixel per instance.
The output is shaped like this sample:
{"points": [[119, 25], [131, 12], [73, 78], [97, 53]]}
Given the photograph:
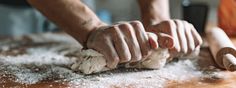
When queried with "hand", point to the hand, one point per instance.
{"points": [[124, 42], [179, 36]]}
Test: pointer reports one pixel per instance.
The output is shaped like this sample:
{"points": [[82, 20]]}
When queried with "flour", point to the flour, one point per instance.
{"points": [[38, 64], [180, 71], [52, 61]]}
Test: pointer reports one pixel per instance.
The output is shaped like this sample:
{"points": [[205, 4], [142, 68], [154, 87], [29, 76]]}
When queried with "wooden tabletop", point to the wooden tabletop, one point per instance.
{"points": [[227, 81]]}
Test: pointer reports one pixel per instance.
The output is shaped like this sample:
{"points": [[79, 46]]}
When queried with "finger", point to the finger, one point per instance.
{"points": [[109, 53], [153, 40], [142, 38], [189, 37], [121, 46], [165, 27], [164, 40], [197, 38], [131, 41], [181, 36], [174, 34]]}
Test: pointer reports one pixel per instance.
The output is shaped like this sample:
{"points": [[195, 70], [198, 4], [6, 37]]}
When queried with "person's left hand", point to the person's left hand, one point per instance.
{"points": [[122, 43], [180, 37]]}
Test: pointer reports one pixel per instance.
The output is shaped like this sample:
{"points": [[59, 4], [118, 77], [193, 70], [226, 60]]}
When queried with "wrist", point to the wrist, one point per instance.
{"points": [[149, 19], [96, 26], [88, 28], [154, 11]]}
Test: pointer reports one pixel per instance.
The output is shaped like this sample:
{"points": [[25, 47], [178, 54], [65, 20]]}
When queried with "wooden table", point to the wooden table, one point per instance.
{"points": [[228, 81]]}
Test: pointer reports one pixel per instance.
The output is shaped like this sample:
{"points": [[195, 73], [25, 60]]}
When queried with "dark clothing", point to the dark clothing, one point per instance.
{"points": [[20, 3]]}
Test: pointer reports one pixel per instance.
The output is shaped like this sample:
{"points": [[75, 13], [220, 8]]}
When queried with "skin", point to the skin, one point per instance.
{"points": [[123, 42], [179, 36], [119, 43]]}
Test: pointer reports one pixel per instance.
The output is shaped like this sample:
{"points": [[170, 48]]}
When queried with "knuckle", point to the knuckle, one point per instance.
{"points": [[178, 22], [167, 22], [166, 26], [136, 23], [114, 26], [113, 29], [126, 27], [185, 22], [191, 25], [171, 24]]}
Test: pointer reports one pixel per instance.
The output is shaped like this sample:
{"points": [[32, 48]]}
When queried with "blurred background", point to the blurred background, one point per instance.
{"points": [[130, 9], [18, 18]]}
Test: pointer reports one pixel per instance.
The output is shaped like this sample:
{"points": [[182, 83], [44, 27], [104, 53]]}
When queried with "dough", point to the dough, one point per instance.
{"points": [[90, 61]]}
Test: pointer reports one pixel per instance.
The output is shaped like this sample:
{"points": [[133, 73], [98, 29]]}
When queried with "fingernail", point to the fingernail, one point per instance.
{"points": [[168, 43], [165, 40], [153, 44], [110, 65]]}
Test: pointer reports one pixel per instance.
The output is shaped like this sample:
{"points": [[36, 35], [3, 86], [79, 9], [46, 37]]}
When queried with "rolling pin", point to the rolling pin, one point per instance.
{"points": [[222, 49]]}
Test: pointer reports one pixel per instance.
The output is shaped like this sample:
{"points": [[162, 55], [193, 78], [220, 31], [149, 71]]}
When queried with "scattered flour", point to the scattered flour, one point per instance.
{"points": [[180, 71], [51, 62]]}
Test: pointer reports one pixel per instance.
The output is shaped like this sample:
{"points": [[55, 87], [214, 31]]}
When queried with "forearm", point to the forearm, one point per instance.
{"points": [[154, 11], [71, 15]]}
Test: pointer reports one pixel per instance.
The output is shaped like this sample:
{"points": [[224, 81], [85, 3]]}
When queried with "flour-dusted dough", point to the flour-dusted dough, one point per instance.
{"points": [[90, 61]]}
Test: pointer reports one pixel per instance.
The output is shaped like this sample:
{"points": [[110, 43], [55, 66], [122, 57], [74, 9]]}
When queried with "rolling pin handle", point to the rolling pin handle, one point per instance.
{"points": [[229, 62]]}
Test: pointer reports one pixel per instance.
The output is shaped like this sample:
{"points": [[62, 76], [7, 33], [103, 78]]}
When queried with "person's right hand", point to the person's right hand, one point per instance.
{"points": [[123, 42], [180, 37]]}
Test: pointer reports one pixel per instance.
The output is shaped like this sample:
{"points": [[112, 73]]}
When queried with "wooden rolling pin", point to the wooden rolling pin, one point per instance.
{"points": [[222, 49]]}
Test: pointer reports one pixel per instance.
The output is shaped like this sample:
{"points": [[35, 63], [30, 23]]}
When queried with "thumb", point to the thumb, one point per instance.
{"points": [[152, 38], [165, 40]]}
